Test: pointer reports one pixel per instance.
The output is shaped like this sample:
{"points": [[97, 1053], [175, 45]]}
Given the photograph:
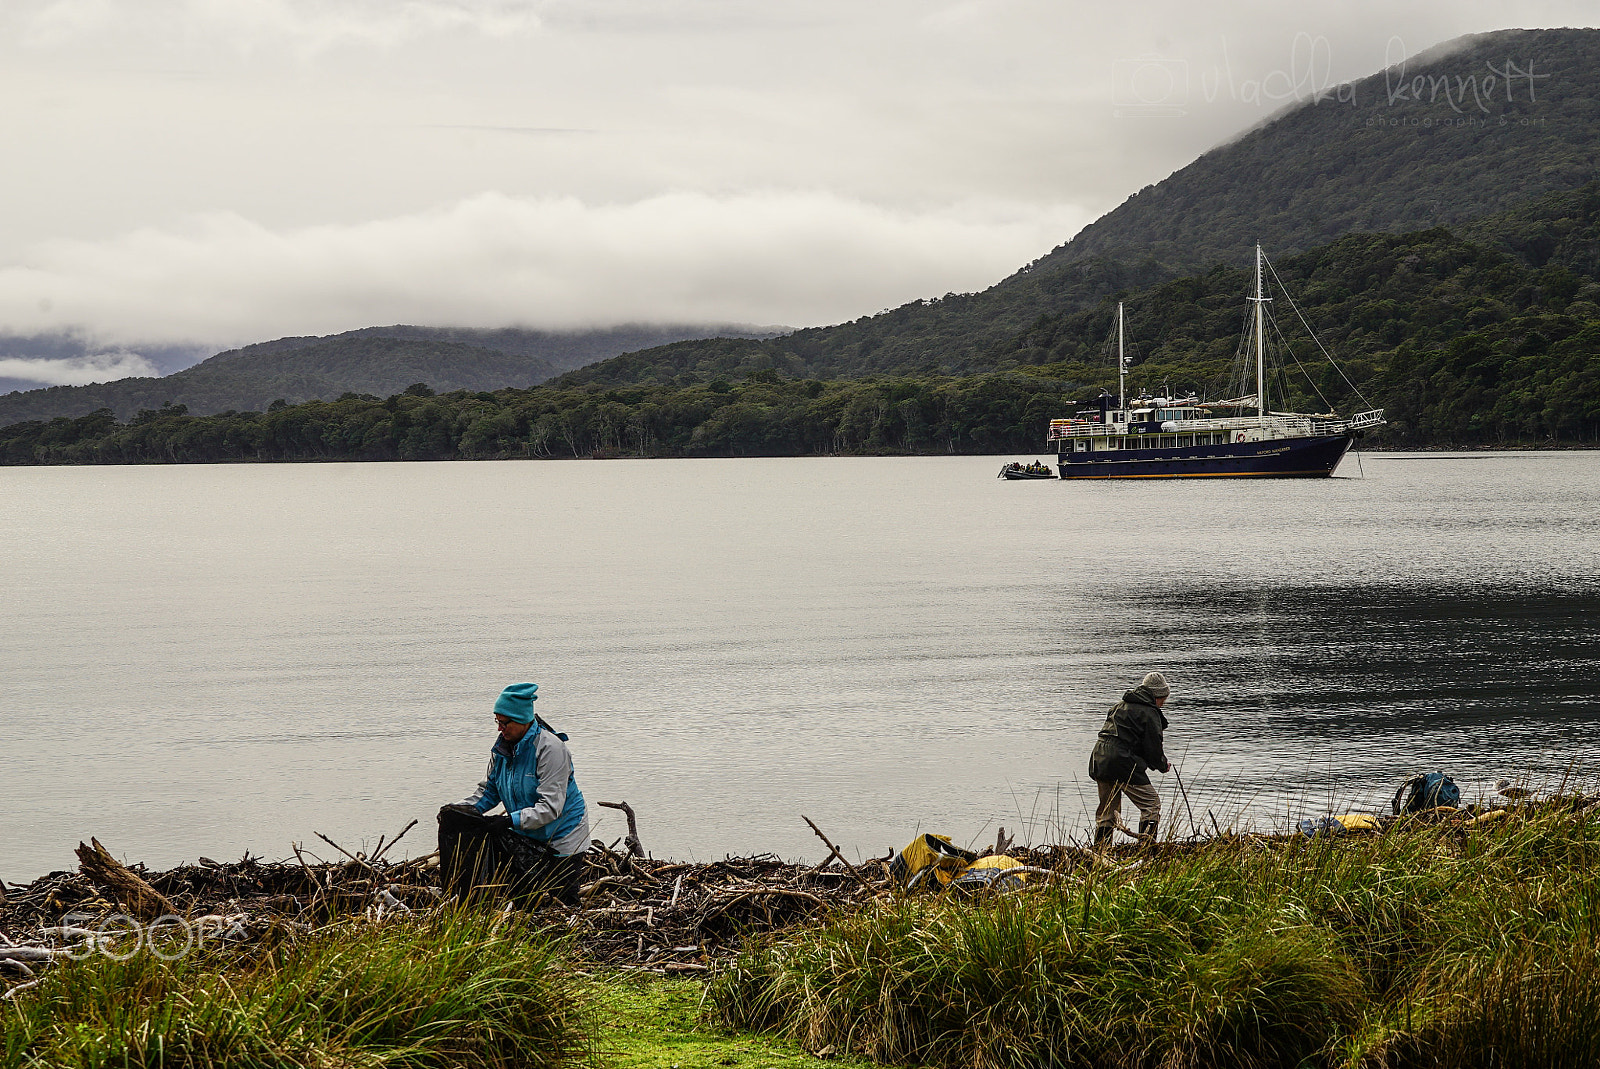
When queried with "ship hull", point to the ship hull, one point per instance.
{"points": [[1280, 458]]}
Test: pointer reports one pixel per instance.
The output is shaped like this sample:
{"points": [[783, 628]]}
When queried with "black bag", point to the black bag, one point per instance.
{"points": [[479, 860]]}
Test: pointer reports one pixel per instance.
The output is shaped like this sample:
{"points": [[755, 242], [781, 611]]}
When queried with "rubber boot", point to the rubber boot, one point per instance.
{"points": [[1148, 827], [1102, 836]]}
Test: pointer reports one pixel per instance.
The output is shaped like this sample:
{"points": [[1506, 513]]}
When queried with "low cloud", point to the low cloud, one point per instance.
{"points": [[494, 260], [76, 371], [309, 26]]}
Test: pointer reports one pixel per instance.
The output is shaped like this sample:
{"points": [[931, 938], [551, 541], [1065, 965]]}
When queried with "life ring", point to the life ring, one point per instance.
{"points": [[1239, 437]]}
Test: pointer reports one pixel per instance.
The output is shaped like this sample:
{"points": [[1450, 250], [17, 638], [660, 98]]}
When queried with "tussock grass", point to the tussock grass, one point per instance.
{"points": [[1425, 946], [456, 988]]}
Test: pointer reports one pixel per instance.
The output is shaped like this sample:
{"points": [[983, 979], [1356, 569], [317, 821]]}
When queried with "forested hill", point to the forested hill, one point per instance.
{"points": [[1484, 336], [373, 360], [1487, 336], [953, 334], [1372, 157], [1464, 131]]}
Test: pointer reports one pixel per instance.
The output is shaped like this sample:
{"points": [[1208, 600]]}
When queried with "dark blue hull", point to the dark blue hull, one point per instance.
{"points": [[1283, 458]]}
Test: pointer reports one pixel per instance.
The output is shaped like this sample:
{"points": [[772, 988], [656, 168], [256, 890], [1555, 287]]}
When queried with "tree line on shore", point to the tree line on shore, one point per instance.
{"points": [[757, 417], [1451, 401]]}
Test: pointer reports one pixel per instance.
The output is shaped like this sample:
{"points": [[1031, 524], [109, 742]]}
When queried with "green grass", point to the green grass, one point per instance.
{"points": [[1430, 946], [663, 1024], [454, 989]]}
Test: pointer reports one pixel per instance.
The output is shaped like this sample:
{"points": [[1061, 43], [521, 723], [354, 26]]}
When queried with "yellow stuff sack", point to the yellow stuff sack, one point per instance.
{"points": [[930, 857], [1358, 821], [994, 872]]}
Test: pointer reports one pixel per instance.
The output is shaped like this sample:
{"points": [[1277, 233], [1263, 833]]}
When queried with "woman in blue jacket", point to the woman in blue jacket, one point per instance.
{"points": [[537, 844]]}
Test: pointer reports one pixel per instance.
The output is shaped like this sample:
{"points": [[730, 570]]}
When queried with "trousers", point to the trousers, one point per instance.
{"points": [[1109, 812], [478, 861]]}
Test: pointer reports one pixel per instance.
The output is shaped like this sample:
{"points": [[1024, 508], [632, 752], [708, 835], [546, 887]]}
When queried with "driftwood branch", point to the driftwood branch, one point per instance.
{"points": [[834, 850], [349, 855], [120, 883], [311, 877], [377, 857], [635, 847], [1002, 842], [29, 954]]}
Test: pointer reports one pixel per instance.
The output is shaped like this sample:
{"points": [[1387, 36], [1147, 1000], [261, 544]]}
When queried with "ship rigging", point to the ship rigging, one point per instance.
{"points": [[1172, 437]]}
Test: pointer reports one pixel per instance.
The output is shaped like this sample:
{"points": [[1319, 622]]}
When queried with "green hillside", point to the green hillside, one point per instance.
{"points": [[1446, 141], [1373, 158], [1486, 337], [1383, 163], [292, 372], [373, 360], [953, 334]]}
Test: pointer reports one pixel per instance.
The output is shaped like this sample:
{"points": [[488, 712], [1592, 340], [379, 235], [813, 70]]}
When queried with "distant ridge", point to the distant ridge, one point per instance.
{"points": [[1482, 335], [1377, 159], [373, 360], [1387, 163]]}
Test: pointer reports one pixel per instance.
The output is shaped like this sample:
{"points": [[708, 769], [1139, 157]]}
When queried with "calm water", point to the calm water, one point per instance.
{"points": [[204, 660]]}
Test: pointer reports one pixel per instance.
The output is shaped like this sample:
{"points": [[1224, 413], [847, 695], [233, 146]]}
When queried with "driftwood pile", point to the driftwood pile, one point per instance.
{"points": [[635, 912], [674, 917], [111, 907]]}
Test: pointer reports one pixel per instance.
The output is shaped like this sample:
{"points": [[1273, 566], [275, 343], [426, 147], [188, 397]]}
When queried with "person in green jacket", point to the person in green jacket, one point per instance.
{"points": [[1129, 744]]}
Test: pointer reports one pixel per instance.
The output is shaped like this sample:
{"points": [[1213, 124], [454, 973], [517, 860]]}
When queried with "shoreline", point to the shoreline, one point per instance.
{"points": [[1386, 452], [1336, 950], [635, 909]]}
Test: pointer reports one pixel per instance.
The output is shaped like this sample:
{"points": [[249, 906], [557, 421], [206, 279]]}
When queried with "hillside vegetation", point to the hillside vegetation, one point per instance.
{"points": [[375, 360], [1369, 158], [1482, 338], [1464, 342], [1467, 133], [1467, 130]]}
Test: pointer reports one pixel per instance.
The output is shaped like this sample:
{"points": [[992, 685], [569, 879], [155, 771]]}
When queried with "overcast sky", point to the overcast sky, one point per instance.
{"points": [[214, 172]]}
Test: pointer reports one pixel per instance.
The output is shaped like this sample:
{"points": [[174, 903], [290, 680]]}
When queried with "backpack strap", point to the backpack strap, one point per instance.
{"points": [[1395, 805], [545, 724]]}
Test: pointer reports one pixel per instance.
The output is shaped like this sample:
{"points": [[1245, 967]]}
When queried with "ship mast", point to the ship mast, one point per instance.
{"points": [[1122, 369], [1261, 342]]}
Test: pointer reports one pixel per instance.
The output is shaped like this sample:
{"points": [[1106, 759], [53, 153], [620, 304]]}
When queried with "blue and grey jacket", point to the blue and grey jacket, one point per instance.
{"points": [[535, 782]]}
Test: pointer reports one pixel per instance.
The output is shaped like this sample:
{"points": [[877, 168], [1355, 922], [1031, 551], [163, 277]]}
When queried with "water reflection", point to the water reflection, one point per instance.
{"points": [[1350, 687], [238, 656]]}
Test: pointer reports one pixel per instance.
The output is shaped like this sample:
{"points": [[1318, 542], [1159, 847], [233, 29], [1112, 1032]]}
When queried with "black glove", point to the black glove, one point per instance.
{"points": [[500, 822]]}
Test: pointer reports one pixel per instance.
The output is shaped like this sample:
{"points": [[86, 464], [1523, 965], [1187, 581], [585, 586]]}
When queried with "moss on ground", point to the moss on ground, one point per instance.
{"points": [[660, 1024]]}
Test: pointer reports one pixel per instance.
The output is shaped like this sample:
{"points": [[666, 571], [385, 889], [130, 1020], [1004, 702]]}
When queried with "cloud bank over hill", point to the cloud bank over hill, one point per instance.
{"points": [[216, 172], [308, 26], [22, 372], [549, 262]]}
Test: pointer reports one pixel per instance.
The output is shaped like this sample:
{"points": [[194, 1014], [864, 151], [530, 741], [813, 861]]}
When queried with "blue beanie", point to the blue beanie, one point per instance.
{"points": [[516, 702]]}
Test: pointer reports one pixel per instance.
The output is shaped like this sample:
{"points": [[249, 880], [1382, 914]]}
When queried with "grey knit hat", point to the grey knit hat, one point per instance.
{"points": [[1156, 684]]}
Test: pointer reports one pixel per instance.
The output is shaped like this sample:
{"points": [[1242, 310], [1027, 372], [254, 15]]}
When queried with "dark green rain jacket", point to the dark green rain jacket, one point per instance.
{"points": [[1130, 741]]}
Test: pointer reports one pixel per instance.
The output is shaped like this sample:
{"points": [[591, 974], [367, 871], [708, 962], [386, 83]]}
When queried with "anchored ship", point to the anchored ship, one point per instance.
{"points": [[1184, 437]]}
